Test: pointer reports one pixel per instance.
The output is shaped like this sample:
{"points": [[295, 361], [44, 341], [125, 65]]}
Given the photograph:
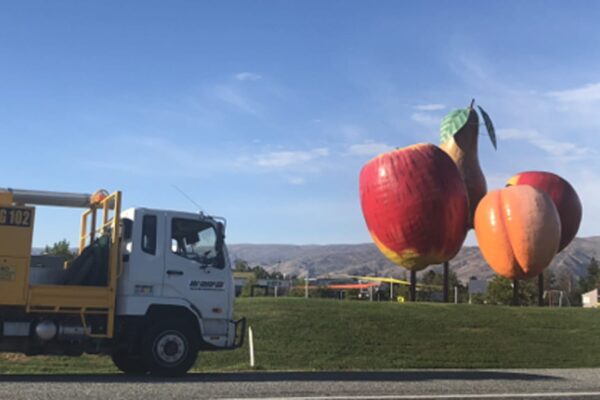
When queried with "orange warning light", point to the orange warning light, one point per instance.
{"points": [[98, 196]]}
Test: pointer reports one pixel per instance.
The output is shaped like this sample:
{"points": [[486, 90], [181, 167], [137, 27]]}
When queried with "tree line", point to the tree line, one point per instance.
{"points": [[499, 290]]}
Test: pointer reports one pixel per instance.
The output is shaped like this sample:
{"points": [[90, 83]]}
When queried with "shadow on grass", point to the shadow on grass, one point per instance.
{"points": [[354, 376]]}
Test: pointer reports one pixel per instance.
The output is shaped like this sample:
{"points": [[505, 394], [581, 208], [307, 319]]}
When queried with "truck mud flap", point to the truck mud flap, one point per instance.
{"points": [[240, 333]]}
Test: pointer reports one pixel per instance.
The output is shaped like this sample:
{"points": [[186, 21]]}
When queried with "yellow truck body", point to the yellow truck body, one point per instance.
{"points": [[16, 234]]}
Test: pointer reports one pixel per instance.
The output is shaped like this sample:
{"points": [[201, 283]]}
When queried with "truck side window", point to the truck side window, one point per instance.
{"points": [[196, 240], [149, 234]]}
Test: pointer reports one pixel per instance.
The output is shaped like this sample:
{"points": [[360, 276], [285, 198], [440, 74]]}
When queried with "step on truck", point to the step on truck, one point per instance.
{"points": [[151, 288]]}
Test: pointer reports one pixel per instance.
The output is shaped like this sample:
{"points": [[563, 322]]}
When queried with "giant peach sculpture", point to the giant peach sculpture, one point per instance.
{"points": [[518, 230]]}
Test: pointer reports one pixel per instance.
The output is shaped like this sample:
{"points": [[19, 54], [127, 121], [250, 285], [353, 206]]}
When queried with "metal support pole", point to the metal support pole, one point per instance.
{"points": [[455, 294], [515, 299], [306, 287], [46, 198], [446, 281], [391, 291], [541, 290], [413, 285], [560, 297]]}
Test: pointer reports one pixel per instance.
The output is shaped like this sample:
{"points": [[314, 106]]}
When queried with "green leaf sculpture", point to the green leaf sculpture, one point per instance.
{"points": [[489, 126], [452, 123]]}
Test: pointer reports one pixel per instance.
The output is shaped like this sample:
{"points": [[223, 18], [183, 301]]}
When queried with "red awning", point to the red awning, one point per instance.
{"points": [[354, 286]]}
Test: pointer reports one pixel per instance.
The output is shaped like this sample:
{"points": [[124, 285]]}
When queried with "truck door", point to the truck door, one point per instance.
{"points": [[195, 270], [143, 259]]}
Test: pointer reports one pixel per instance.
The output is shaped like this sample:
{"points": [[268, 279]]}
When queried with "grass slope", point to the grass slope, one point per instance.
{"points": [[299, 334]]}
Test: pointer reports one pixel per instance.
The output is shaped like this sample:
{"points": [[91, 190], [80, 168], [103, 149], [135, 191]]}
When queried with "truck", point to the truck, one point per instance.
{"points": [[150, 288]]}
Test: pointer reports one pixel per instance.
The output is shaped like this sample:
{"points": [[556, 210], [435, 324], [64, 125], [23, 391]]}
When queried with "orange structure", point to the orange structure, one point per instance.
{"points": [[518, 230]]}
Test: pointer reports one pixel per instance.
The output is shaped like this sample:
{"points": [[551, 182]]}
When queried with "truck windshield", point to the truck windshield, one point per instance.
{"points": [[195, 240]]}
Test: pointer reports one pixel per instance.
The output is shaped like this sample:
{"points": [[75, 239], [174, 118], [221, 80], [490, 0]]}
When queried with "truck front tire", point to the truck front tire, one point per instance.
{"points": [[129, 363], [170, 348]]}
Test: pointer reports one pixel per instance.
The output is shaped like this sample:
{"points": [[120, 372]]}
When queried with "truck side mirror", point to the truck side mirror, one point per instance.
{"points": [[220, 244], [220, 230]]}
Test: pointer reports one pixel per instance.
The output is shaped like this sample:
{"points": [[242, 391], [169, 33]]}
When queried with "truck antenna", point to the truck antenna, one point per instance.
{"points": [[184, 194]]}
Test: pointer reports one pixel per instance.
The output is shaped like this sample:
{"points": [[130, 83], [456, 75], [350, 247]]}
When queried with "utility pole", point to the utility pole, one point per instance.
{"points": [[446, 281], [413, 285], [541, 289]]}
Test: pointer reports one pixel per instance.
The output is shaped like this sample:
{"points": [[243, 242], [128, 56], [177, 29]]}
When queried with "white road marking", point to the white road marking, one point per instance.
{"points": [[437, 396]]}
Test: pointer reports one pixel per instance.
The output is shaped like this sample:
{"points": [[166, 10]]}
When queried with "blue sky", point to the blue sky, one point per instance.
{"points": [[264, 112]]}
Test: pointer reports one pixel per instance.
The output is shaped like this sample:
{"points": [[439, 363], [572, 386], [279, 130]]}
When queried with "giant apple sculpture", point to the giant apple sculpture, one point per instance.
{"points": [[518, 230], [459, 138], [562, 194], [415, 205]]}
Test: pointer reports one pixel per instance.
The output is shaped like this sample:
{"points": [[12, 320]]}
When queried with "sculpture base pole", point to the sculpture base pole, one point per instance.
{"points": [[413, 285], [515, 299], [541, 290]]}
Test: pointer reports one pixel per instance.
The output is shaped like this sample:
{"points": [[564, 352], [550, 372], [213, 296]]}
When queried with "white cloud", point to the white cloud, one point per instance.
{"points": [[559, 149], [518, 134], [585, 94], [235, 98], [296, 180], [429, 107], [368, 149], [352, 132], [426, 119], [584, 181], [321, 151], [282, 159], [158, 157], [247, 76]]}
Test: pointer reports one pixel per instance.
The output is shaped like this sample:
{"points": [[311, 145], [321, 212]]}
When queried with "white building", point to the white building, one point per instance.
{"points": [[590, 299]]}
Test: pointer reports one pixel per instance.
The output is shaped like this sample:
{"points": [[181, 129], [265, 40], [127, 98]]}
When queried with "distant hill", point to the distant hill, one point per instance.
{"points": [[365, 259]]}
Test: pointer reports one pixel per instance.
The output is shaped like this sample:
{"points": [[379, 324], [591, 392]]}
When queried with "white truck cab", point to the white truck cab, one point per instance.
{"points": [[178, 259]]}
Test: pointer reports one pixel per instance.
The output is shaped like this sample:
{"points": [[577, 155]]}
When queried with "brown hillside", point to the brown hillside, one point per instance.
{"points": [[365, 259]]}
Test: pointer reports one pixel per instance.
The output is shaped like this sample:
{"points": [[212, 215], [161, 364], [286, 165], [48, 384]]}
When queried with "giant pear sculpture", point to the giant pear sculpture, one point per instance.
{"points": [[459, 137]]}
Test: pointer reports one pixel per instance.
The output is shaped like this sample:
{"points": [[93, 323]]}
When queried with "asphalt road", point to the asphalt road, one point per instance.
{"points": [[421, 384]]}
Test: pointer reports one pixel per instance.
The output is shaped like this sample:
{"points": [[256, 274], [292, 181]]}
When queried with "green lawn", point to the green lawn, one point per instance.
{"points": [[299, 334]]}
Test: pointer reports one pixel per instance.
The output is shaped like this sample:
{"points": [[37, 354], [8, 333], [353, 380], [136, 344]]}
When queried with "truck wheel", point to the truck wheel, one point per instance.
{"points": [[128, 363], [170, 349]]}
